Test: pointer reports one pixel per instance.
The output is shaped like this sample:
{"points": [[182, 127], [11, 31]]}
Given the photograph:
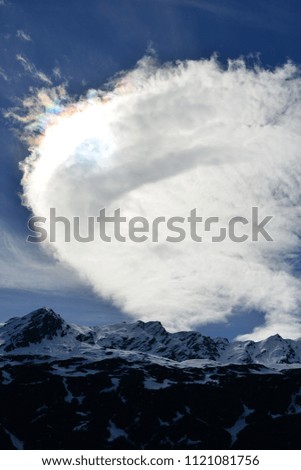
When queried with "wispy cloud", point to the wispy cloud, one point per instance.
{"points": [[32, 70], [57, 73], [3, 75], [23, 267], [217, 7], [275, 17], [23, 36]]}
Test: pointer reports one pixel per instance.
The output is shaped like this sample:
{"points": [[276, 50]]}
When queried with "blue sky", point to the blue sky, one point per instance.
{"points": [[89, 42]]}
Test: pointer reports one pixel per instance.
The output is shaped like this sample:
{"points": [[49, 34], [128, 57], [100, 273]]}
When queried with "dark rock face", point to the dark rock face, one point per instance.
{"points": [[47, 403], [86, 338]]}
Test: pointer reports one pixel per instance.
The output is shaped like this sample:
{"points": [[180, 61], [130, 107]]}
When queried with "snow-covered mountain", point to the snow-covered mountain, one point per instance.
{"points": [[43, 332], [136, 386]]}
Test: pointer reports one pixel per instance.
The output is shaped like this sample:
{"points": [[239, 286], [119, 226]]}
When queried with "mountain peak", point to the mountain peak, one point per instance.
{"points": [[33, 328], [153, 327], [43, 314]]}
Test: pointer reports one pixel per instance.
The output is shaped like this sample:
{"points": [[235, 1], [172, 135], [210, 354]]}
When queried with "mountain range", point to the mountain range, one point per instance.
{"points": [[137, 386], [43, 332]]}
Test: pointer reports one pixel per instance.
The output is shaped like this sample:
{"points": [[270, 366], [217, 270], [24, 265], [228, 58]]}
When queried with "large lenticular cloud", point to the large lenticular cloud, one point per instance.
{"points": [[163, 141]]}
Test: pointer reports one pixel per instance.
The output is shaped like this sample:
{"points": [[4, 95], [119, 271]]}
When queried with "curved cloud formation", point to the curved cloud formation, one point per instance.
{"points": [[162, 141]]}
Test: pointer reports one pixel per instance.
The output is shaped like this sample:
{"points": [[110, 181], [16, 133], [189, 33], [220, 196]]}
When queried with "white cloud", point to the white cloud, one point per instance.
{"points": [[32, 70], [23, 36], [163, 141]]}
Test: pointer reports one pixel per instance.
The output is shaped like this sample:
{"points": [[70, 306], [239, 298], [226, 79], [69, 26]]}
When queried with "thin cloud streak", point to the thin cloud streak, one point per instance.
{"points": [[32, 70], [23, 36]]}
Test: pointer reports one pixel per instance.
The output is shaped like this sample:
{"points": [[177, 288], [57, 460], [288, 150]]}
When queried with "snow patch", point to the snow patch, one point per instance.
{"points": [[152, 384], [14, 440], [115, 431], [6, 377], [239, 424]]}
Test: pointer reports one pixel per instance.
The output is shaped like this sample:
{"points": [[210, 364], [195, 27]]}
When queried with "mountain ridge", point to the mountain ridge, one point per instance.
{"points": [[44, 332]]}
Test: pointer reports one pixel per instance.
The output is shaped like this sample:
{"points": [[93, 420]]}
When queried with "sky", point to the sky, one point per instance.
{"points": [[201, 110]]}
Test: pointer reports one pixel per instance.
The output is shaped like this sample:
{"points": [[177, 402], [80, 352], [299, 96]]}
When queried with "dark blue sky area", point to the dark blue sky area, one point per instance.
{"points": [[89, 42]]}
